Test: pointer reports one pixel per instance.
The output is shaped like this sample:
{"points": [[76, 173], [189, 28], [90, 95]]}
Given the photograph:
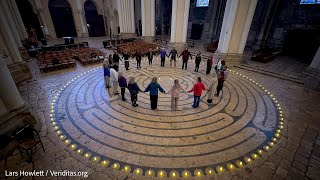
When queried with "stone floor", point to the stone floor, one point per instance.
{"points": [[237, 137]]}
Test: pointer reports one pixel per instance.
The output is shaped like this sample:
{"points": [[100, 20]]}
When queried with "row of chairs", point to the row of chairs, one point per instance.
{"points": [[136, 46], [55, 60]]}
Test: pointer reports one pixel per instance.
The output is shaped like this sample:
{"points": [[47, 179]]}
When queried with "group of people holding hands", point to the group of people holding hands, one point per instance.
{"points": [[111, 67], [173, 54]]}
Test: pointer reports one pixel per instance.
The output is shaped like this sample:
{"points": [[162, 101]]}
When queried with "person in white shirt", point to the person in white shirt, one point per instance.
{"points": [[114, 80]]}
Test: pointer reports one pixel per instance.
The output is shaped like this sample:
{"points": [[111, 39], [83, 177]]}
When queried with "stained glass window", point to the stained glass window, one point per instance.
{"points": [[310, 2], [202, 3]]}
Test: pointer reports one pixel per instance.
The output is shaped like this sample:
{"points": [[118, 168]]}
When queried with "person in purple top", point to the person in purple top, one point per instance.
{"points": [[163, 55], [123, 85]]}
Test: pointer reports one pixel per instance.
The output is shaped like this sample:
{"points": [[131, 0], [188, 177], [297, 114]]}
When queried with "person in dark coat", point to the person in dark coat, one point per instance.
{"points": [[154, 87], [198, 61], [174, 55], [123, 85], [185, 57], [209, 64], [222, 76], [134, 90], [126, 56], [138, 59], [150, 54], [116, 60]]}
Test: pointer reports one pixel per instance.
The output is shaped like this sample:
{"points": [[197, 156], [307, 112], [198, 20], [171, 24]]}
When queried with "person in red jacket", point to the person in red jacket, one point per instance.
{"points": [[197, 89]]}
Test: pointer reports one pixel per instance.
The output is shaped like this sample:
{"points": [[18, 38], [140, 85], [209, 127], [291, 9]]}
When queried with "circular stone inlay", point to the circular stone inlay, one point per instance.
{"points": [[235, 129]]}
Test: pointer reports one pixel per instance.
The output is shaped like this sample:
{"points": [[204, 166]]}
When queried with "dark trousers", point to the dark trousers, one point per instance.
{"points": [[219, 87], [162, 61], [126, 65], [154, 101], [208, 69], [123, 91], [197, 66], [139, 63], [196, 101], [134, 98], [150, 61], [184, 64]]}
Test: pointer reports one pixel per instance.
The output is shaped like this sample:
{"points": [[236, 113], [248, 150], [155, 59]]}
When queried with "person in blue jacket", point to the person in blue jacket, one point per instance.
{"points": [[154, 87], [106, 72], [163, 55]]}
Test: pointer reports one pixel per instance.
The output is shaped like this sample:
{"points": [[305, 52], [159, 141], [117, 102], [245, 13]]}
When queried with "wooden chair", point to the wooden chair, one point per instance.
{"points": [[28, 139]]}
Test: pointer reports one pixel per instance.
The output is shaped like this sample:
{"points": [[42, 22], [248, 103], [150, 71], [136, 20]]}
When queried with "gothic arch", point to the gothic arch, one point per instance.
{"points": [[62, 18], [95, 22]]}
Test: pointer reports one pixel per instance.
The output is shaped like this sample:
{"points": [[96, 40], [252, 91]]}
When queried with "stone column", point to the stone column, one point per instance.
{"points": [[3, 109], [83, 24], [179, 21], [312, 78], [18, 19], [236, 25], [148, 17], [126, 16], [10, 21], [45, 18], [9, 41], [9, 93]]}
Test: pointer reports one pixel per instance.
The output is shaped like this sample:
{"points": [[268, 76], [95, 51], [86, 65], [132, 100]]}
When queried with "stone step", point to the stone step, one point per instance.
{"points": [[269, 73]]}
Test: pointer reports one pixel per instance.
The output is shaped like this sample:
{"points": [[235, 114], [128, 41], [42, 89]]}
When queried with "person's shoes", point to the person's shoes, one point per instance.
{"points": [[124, 99], [136, 105], [209, 101]]}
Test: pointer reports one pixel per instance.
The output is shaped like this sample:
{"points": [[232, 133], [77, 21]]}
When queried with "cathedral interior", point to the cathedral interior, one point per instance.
{"points": [[94, 89]]}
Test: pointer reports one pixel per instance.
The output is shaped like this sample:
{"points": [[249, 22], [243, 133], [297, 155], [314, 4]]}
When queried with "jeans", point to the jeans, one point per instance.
{"points": [[162, 61], [126, 64], [219, 87], [197, 67], [154, 101], [139, 63], [184, 64], [123, 91], [174, 61], [196, 101], [134, 98]]}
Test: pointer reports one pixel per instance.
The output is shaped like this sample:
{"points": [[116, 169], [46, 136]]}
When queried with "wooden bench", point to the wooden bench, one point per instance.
{"points": [[190, 43]]}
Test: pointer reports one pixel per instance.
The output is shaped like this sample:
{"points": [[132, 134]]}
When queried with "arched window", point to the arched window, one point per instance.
{"points": [[95, 21], [62, 18]]}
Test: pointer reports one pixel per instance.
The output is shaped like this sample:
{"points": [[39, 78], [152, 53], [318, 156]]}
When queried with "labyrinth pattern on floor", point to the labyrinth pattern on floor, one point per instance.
{"points": [[240, 124]]}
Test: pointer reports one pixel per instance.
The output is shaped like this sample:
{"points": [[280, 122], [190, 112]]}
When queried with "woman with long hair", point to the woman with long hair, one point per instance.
{"points": [[134, 90], [175, 94]]}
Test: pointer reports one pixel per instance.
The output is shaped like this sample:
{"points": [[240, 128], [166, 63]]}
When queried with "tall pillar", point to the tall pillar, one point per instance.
{"points": [[13, 111], [179, 21], [9, 41], [236, 24], [79, 20], [126, 16], [3, 109], [10, 21], [45, 18], [148, 17], [18, 19], [9, 93], [312, 75]]}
